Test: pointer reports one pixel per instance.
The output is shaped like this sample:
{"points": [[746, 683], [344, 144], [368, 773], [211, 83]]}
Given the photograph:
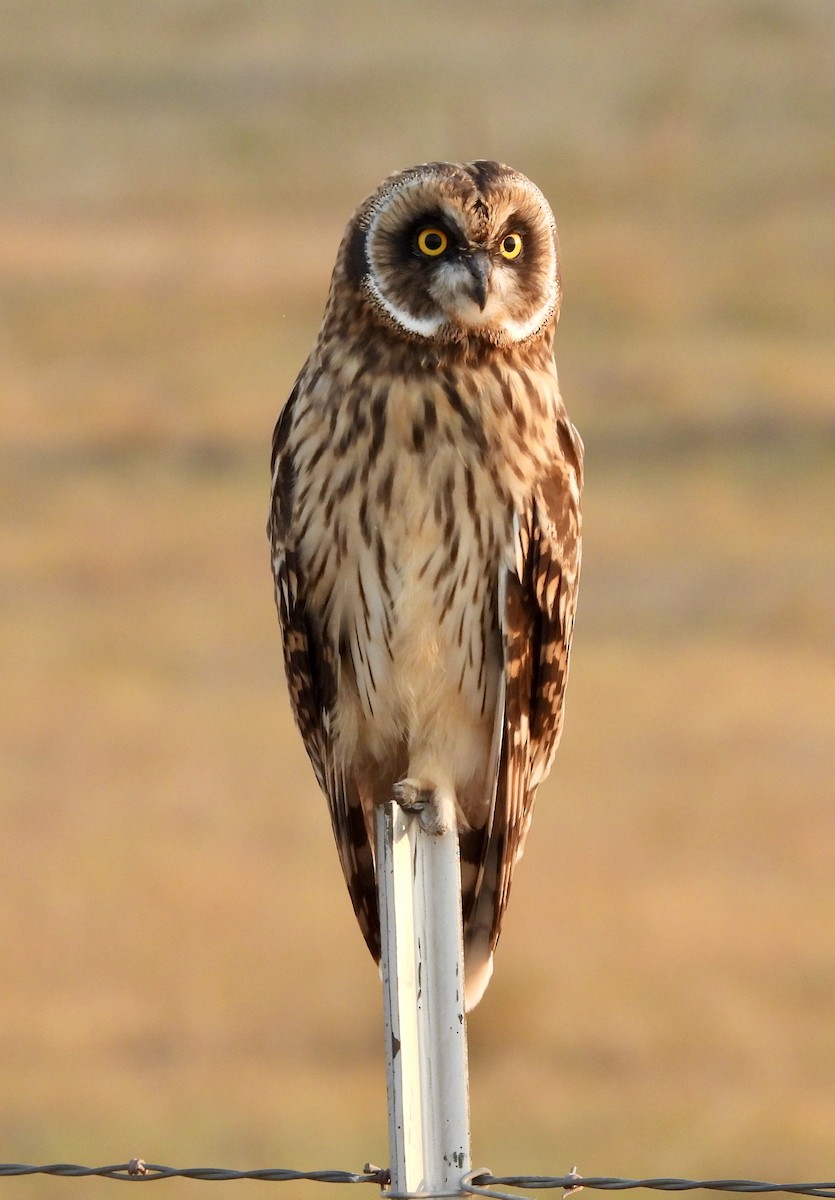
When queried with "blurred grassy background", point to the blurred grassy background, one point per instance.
{"points": [[181, 975]]}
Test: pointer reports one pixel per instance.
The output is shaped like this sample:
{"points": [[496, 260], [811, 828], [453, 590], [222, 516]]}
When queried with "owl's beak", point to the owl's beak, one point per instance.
{"points": [[478, 265]]}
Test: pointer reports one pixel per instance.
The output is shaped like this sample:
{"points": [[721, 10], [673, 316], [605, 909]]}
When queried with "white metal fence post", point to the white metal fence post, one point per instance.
{"points": [[419, 887]]}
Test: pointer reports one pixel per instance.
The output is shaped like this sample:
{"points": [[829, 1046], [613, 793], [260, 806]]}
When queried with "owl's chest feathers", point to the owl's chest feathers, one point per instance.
{"points": [[403, 541]]}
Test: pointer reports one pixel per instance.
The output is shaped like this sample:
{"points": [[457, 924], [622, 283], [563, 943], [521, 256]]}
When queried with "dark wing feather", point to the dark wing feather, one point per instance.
{"points": [[312, 667], [537, 604]]}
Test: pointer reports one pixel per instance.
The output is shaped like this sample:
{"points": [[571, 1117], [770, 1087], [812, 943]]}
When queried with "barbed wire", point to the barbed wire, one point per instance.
{"points": [[138, 1171], [480, 1182]]}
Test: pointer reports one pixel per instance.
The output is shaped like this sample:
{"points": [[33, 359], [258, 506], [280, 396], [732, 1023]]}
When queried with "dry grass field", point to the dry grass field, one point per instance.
{"points": [[180, 975]]}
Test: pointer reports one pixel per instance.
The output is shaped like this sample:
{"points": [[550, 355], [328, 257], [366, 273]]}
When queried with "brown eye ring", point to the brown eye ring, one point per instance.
{"points": [[432, 241], [510, 246]]}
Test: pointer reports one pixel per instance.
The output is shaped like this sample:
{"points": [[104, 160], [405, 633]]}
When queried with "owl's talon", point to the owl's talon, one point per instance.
{"points": [[434, 810], [412, 794]]}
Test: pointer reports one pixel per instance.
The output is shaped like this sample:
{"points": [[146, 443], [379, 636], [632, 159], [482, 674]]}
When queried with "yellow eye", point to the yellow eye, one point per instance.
{"points": [[432, 242], [511, 245]]}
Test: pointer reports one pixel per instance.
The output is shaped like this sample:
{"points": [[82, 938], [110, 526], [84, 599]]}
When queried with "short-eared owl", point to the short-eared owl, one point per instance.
{"points": [[425, 529]]}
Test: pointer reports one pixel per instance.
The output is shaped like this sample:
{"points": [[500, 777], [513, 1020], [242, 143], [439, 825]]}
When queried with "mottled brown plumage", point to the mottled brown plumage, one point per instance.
{"points": [[425, 528]]}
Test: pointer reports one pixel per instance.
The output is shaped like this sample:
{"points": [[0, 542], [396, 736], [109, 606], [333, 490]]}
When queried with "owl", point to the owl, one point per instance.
{"points": [[425, 530]]}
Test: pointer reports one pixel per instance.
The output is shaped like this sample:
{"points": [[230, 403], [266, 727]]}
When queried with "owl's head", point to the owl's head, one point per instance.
{"points": [[446, 252]]}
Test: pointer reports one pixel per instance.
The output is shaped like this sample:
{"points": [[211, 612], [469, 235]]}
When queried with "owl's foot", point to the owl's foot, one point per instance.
{"points": [[435, 808]]}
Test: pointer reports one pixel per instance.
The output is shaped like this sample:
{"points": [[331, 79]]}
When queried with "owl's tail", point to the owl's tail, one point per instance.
{"points": [[479, 853], [478, 970]]}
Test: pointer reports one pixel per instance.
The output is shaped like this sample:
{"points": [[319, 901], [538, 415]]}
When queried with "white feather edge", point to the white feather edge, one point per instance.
{"points": [[424, 327], [497, 740]]}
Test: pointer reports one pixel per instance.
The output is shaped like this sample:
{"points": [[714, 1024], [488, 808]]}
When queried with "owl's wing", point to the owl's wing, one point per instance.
{"points": [[537, 598], [312, 667]]}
